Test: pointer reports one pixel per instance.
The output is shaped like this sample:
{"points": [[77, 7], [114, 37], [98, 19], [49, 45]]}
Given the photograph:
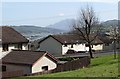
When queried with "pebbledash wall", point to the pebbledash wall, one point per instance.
{"points": [[76, 47], [12, 46], [98, 47], [81, 47], [44, 61]]}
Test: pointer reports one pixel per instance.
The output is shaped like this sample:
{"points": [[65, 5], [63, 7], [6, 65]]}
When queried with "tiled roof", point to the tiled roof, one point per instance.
{"points": [[66, 38], [25, 57], [9, 35], [72, 39], [105, 40]]}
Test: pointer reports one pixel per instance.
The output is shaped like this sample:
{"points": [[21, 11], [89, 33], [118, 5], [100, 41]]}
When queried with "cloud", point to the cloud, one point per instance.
{"points": [[103, 1], [61, 14]]}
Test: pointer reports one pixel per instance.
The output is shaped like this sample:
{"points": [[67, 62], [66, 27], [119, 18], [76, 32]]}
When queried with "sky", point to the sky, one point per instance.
{"points": [[47, 12]]}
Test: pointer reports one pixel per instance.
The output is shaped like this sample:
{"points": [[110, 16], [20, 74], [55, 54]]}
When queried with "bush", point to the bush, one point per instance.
{"points": [[66, 59]]}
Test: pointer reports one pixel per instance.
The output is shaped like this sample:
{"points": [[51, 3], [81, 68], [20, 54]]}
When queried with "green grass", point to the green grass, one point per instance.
{"points": [[104, 66]]}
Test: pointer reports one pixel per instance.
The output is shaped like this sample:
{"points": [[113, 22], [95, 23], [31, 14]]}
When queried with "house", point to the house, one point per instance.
{"points": [[28, 61], [59, 45], [11, 39], [107, 43]]}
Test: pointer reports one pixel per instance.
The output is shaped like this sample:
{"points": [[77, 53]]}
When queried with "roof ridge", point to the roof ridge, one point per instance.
{"points": [[27, 50]]}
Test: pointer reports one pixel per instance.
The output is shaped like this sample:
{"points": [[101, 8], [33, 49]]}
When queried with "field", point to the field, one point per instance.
{"points": [[104, 66]]}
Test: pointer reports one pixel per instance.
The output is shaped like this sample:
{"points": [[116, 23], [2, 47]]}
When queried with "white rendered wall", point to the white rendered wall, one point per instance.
{"points": [[98, 47], [76, 47], [44, 61]]}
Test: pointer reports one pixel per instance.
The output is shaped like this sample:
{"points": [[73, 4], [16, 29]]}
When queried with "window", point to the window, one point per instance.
{"points": [[18, 46], [72, 46], [5, 47], [65, 45], [92, 46], [3, 68], [45, 68], [86, 45], [95, 44]]}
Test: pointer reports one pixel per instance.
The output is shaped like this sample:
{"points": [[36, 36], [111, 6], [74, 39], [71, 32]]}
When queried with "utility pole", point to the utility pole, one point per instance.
{"points": [[115, 38]]}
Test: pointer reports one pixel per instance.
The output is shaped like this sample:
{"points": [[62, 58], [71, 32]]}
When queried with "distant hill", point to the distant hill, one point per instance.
{"points": [[66, 24], [34, 32], [113, 23], [63, 25], [108, 26]]}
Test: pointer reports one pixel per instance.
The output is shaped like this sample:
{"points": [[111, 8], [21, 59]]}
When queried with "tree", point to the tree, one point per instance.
{"points": [[86, 25]]}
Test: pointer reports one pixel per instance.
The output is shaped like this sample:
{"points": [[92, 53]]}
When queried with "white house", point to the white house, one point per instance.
{"points": [[60, 44], [11, 39], [28, 61], [107, 43]]}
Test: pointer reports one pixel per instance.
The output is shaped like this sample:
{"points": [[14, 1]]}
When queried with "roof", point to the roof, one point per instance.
{"points": [[105, 40], [72, 39], [25, 57], [96, 40], [66, 38], [9, 35]]}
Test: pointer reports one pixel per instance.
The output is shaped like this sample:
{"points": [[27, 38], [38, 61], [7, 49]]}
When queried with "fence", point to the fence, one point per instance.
{"points": [[71, 65], [12, 74]]}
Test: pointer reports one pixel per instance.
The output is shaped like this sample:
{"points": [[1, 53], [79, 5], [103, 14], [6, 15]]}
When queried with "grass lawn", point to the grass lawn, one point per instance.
{"points": [[104, 66]]}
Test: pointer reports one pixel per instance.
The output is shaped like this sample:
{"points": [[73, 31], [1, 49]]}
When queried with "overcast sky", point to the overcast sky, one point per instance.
{"points": [[46, 12]]}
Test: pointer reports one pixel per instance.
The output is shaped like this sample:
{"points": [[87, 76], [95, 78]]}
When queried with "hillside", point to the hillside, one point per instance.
{"points": [[113, 23], [34, 32], [104, 66], [66, 25], [63, 25]]}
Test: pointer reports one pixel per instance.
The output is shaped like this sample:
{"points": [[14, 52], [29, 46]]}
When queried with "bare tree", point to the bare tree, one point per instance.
{"points": [[86, 25]]}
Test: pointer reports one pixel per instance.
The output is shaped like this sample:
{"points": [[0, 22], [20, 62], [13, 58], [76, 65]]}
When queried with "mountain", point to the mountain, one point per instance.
{"points": [[109, 25], [63, 25], [35, 32], [66, 24], [113, 23]]}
